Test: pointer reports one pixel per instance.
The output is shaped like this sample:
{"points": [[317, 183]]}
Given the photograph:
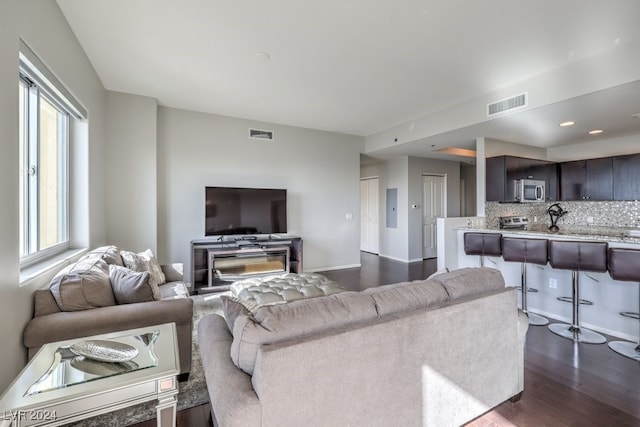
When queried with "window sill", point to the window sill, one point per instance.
{"points": [[56, 262]]}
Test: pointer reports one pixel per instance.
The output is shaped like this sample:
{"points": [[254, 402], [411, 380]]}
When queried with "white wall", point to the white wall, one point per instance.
{"points": [[320, 171], [52, 40], [131, 135]]}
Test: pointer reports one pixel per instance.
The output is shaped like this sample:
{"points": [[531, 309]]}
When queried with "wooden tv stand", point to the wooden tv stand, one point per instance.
{"points": [[217, 262]]}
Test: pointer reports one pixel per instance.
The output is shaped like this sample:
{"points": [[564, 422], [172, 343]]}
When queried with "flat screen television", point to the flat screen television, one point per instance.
{"points": [[230, 210]]}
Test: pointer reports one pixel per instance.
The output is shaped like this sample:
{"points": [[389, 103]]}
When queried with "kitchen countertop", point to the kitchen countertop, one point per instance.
{"points": [[608, 234]]}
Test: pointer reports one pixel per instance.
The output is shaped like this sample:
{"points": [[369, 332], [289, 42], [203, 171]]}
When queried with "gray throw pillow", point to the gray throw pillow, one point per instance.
{"points": [[471, 281], [272, 324], [131, 286], [407, 296], [83, 285], [233, 307], [110, 254]]}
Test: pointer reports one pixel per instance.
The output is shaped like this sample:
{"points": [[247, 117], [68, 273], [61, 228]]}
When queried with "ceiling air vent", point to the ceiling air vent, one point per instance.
{"points": [[507, 104], [266, 135]]}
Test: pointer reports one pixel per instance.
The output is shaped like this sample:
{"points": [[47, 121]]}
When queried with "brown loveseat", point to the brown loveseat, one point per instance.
{"points": [[50, 323]]}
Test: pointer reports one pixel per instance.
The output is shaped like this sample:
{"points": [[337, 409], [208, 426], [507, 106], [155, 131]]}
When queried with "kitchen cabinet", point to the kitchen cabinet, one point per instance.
{"points": [[502, 171], [626, 177], [587, 179]]}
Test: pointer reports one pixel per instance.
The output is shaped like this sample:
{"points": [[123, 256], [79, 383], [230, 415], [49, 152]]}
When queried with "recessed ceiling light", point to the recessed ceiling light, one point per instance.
{"points": [[595, 131], [569, 123]]}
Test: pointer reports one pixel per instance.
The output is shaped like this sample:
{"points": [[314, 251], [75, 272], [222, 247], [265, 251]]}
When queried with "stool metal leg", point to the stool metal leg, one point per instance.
{"points": [[626, 348], [574, 331], [534, 319]]}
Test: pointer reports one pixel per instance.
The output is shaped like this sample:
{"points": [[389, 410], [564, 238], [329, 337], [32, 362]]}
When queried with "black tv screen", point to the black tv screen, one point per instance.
{"points": [[231, 210]]}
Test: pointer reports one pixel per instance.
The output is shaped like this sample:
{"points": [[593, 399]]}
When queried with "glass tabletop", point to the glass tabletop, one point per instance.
{"points": [[91, 360]]}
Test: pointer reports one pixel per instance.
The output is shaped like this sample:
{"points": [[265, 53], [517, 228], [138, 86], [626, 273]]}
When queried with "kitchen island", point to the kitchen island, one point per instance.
{"points": [[609, 297]]}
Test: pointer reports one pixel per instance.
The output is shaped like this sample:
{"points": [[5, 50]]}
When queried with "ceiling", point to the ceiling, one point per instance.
{"points": [[360, 66]]}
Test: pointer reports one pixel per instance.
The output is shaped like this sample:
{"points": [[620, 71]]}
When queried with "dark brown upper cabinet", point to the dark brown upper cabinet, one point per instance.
{"points": [[626, 177], [502, 171], [587, 179]]}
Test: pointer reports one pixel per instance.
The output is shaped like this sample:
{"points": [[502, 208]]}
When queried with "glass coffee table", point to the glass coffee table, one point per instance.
{"points": [[76, 379]]}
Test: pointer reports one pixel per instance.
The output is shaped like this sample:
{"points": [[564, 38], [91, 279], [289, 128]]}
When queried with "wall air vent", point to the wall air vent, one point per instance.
{"points": [[507, 104], [266, 135]]}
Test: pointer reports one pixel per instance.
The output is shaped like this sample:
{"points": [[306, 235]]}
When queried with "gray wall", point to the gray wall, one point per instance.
{"points": [[320, 171], [132, 173], [468, 173], [53, 41], [404, 243], [393, 241]]}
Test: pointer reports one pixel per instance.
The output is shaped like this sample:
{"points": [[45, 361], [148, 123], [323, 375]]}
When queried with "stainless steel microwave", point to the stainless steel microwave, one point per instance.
{"points": [[529, 190]]}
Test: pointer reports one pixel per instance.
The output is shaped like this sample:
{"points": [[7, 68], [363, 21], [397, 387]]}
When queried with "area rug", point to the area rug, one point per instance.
{"points": [[192, 392]]}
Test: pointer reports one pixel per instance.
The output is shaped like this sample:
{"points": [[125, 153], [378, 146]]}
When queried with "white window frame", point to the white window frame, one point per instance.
{"points": [[41, 82]]}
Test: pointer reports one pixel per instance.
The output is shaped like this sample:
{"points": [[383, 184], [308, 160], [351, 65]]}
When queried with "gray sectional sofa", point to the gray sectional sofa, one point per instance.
{"points": [[82, 301], [437, 352]]}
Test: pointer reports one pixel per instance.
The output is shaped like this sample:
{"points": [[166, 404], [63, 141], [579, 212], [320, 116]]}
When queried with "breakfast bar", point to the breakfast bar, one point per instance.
{"points": [[607, 297]]}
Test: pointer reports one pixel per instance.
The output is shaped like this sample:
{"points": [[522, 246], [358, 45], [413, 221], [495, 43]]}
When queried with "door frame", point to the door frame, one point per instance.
{"points": [[444, 203]]}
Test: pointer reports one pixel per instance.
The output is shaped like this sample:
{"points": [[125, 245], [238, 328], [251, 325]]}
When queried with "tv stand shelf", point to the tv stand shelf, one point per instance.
{"points": [[217, 262]]}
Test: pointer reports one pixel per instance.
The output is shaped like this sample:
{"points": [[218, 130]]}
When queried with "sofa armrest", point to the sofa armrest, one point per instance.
{"points": [[77, 324], [233, 401], [173, 272]]}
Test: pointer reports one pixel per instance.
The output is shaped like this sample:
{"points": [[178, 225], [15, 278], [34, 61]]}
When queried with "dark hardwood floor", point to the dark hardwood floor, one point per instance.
{"points": [[566, 384]]}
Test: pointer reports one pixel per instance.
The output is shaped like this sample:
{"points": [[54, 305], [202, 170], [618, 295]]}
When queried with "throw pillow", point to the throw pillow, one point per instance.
{"points": [[132, 286], [471, 281], [110, 254], [272, 324], [83, 285], [144, 261], [407, 296], [233, 307]]}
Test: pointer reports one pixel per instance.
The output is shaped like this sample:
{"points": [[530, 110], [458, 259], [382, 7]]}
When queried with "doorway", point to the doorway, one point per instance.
{"points": [[434, 206], [369, 215]]}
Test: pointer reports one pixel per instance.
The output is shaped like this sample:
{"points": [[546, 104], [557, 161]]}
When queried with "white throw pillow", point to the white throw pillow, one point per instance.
{"points": [[144, 261]]}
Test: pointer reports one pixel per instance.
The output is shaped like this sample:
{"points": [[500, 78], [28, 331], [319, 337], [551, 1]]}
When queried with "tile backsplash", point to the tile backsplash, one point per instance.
{"points": [[581, 215]]}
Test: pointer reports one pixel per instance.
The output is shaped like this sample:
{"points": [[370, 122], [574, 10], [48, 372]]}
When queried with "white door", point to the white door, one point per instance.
{"points": [[434, 202], [369, 213]]}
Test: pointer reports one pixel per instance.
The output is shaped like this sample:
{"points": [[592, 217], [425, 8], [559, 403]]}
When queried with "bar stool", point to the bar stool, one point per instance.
{"points": [[577, 256], [482, 244], [623, 265], [525, 251]]}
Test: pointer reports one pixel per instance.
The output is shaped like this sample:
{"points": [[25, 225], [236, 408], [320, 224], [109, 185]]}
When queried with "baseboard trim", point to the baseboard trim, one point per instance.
{"points": [[404, 261], [554, 318], [336, 267]]}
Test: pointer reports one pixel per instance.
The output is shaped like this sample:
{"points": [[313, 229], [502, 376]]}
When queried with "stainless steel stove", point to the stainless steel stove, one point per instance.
{"points": [[513, 222]]}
